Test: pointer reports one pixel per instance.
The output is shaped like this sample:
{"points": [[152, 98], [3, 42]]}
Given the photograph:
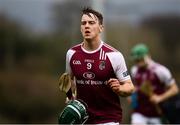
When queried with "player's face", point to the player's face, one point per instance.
{"points": [[140, 63], [90, 27]]}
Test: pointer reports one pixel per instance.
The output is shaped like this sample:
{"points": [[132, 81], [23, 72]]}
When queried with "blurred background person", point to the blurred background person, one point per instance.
{"points": [[154, 84]]}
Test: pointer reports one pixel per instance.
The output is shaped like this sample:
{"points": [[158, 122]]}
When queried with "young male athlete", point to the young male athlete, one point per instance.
{"points": [[100, 72], [154, 84]]}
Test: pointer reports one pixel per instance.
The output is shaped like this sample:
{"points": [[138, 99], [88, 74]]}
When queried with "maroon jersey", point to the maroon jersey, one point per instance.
{"points": [[158, 77], [92, 70]]}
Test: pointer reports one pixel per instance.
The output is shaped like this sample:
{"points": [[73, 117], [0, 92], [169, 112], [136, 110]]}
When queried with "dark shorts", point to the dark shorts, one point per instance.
{"points": [[171, 109]]}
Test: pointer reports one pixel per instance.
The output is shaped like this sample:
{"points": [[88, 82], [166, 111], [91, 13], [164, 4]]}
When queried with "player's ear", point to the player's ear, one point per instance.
{"points": [[101, 27]]}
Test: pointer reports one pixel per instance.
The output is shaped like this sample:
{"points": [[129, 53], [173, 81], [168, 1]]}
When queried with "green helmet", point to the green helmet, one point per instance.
{"points": [[74, 113], [139, 51]]}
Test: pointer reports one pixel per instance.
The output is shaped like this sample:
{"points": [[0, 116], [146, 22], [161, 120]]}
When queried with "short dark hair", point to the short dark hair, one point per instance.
{"points": [[88, 10]]}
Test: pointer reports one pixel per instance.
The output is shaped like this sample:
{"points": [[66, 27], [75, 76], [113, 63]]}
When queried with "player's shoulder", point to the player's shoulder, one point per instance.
{"points": [[158, 66], [73, 49], [108, 48], [76, 47], [160, 69], [114, 55], [164, 74], [134, 70], [111, 50]]}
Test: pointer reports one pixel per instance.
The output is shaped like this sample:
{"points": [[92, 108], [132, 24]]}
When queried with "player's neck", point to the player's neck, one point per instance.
{"points": [[91, 45]]}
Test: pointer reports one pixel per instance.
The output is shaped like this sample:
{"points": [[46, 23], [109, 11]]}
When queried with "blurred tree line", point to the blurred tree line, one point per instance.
{"points": [[29, 70], [31, 63]]}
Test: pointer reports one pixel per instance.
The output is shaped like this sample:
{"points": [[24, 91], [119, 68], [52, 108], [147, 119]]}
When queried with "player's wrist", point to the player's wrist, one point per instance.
{"points": [[125, 90]]}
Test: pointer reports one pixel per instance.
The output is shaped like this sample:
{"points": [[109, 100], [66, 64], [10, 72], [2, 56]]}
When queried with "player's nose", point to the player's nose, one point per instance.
{"points": [[87, 25]]}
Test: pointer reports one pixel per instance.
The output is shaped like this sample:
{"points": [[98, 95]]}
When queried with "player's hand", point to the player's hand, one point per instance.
{"points": [[156, 99], [67, 99], [114, 84], [65, 82]]}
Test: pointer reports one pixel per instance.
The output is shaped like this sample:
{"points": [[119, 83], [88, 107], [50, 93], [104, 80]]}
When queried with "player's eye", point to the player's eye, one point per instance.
{"points": [[83, 23], [91, 22]]}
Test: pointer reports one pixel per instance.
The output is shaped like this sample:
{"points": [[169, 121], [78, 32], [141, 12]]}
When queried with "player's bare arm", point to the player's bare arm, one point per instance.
{"points": [[172, 90], [124, 88]]}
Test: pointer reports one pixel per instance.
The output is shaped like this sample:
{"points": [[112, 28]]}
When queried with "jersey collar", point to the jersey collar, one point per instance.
{"points": [[86, 51]]}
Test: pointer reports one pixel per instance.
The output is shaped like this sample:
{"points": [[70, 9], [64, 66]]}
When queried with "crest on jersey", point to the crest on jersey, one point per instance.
{"points": [[102, 65]]}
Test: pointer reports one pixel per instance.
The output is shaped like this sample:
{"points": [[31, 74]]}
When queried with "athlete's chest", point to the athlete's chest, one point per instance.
{"points": [[147, 77], [91, 66]]}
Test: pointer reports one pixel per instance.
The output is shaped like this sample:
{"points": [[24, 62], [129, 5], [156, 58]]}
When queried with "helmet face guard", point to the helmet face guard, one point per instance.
{"points": [[74, 113]]}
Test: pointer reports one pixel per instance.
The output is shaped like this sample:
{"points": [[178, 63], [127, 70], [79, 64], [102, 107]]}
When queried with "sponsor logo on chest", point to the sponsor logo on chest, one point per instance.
{"points": [[89, 75]]}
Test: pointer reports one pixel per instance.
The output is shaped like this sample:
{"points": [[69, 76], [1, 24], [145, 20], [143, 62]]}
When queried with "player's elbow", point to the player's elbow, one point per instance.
{"points": [[176, 89]]}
